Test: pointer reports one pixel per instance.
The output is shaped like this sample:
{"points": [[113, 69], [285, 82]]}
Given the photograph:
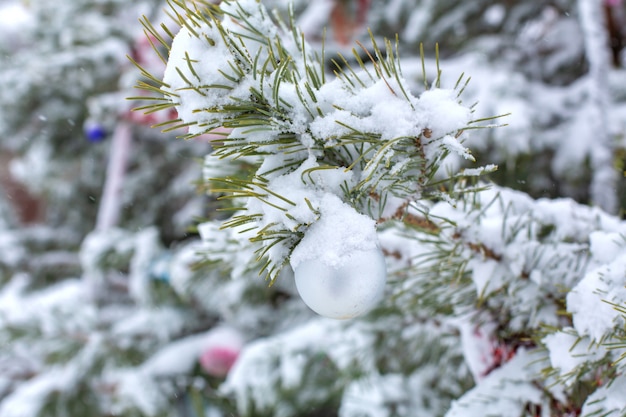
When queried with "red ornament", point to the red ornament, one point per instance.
{"points": [[222, 347], [347, 17], [218, 360]]}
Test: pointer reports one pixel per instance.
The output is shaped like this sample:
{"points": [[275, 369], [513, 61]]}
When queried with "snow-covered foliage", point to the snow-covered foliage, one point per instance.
{"points": [[530, 59], [357, 174], [352, 150], [545, 267], [67, 70], [531, 309], [508, 259]]}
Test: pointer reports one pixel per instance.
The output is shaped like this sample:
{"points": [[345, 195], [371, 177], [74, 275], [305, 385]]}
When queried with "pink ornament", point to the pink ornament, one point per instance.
{"points": [[222, 348], [612, 3], [217, 361]]}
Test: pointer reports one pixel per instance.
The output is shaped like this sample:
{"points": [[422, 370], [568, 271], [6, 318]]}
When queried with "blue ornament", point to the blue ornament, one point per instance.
{"points": [[159, 269], [95, 132]]}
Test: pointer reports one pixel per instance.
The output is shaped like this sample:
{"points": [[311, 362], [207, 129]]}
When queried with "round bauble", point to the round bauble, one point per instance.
{"points": [[222, 347], [95, 132], [218, 360], [159, 268], [346, 290]]}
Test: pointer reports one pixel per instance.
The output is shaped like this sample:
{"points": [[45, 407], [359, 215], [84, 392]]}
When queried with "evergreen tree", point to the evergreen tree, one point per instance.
{"points": [[530, 59], [64, 82], [353, 259]]}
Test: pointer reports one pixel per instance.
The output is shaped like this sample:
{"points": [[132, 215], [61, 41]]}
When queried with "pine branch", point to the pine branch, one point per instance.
{"points": [[270, 89]]}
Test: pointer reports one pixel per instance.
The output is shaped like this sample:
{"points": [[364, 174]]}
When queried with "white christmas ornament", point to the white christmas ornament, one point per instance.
{"points": [[339, 267], [346, 290]]}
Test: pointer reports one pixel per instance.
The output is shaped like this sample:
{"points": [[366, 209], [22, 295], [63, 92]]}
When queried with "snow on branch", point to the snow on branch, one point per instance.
{"points": [[360, 138]]}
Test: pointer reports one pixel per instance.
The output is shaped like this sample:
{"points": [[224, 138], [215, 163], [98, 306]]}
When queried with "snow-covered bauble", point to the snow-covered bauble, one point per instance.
{"points": [[343, 291], [339, 267], [159, 268], [217, 361], [222, 348], [95, 132]]}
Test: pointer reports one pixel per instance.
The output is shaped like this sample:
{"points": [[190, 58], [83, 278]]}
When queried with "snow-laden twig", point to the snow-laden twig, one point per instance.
{"points": [[604, 176]]}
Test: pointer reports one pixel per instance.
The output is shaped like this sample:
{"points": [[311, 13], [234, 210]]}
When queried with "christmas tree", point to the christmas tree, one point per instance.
{"points": [[65, 79], [355, 255]]}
